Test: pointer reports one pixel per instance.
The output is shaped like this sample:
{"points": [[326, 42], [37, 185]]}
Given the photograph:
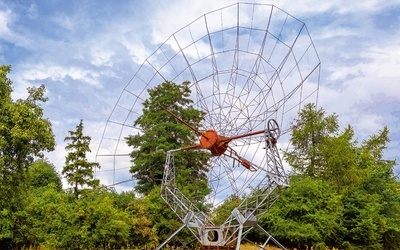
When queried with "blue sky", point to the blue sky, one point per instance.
{"points": [[85, 52]]}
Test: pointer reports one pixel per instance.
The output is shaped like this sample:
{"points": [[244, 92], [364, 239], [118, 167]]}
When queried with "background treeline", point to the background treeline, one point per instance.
{"points": [[343, 193]]}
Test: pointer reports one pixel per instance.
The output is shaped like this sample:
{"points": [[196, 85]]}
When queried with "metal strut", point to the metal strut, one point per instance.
{"points": [[242, 218]]}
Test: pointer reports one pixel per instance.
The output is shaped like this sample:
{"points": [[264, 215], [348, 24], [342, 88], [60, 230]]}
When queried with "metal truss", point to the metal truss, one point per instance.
{"points": [[242, 218], [247, 63]]}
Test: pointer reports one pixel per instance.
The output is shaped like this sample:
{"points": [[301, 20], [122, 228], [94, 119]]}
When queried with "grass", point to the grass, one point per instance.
{"points": [[248, 246]]}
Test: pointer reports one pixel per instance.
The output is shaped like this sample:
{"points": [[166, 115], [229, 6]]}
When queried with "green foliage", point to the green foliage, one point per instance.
{"points": [[6, 227], [161, 132], [372, 207], [144, 232], [42, 173], [191, 167], [363, 220], [56, 220], [24, 135], [312, 128], [343, 194], [163, 219], [49, 222], [100, 223], [78, 170], [5, 84], [308, 214], [339, 158], [223, 211]]}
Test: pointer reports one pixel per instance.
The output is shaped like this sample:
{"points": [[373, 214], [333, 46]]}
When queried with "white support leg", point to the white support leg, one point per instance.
{"points": [[188, 217], [239, 237], [270, 238]]}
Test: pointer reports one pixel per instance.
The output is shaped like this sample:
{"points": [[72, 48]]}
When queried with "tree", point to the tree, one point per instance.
{"points": [[307, 215], [50, 219], [340, 159], [99, 219], [161, 132], [24, 135], [24, 132], [99, 223], [358, 173], [42, 173], [309, 131], [42, 211], [163, 219], [372, 203], [78, 170]]}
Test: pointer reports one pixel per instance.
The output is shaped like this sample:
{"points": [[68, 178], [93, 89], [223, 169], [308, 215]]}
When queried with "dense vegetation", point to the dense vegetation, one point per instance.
{"points": [[343, 192], [162, 132]]}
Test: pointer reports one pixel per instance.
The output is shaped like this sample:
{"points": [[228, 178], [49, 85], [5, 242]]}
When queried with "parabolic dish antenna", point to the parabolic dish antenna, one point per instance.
{"points": [[252, 67]]}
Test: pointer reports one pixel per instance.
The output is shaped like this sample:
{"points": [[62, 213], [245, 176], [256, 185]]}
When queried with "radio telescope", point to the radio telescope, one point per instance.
{"points": [[252, 67]]}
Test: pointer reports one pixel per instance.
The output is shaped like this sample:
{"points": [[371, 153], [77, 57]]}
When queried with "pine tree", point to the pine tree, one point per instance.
{"points": [[162, 132], [78, 170], [329, 164], [309, 133]]}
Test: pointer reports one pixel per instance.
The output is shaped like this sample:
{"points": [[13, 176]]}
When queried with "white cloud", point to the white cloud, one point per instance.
{"points": [[33, 10], [7, 21], [6, 18], [101, 57], [67, 22], [59, 73], [358, 59], [136, 49], [386, 61], [369, 88]]}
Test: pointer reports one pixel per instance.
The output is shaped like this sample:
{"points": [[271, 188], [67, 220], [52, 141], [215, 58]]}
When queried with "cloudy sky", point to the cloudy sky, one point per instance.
{"points": [[85, 52]]}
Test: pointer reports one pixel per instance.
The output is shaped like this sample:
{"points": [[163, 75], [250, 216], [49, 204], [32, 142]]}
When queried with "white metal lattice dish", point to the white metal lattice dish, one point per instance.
{"points": [[252, 67]]}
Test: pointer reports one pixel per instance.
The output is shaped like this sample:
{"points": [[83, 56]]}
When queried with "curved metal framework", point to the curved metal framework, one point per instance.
{"points": [[252, 67], [272, 181]]}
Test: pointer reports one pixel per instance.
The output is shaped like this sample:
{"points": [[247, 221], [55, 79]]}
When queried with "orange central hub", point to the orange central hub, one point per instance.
{"points": [[215, 143]]}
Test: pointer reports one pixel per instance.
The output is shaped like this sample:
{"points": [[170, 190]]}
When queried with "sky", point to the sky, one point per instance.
{"points": [[85, 52]]}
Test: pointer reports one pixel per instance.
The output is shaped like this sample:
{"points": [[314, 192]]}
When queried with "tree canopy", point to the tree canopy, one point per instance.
{"points": [[24, 132], [161, 132], [343, 193], [24, 135], [42, 173], [78, 170]]}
